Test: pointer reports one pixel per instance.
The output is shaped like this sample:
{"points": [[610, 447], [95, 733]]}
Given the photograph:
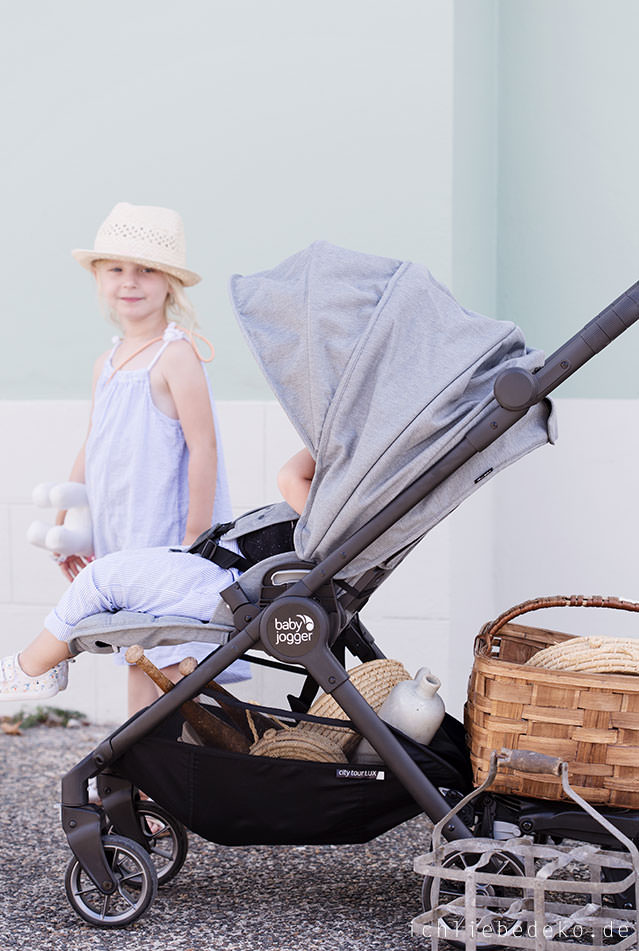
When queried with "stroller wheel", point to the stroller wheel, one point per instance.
{"points": [[137, 885], [439, 891], [166, 839]]}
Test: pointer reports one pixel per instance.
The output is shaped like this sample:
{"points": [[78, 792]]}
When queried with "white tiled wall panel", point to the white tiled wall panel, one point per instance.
{"points": [[5, 555], [564, 519]]}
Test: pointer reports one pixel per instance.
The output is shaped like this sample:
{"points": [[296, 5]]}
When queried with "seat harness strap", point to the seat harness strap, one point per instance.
{"points": [[207, 546]]}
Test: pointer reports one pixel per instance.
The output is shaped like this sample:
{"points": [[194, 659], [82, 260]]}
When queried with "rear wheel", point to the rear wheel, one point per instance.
{"points": [[166, 839], [439, 891]]}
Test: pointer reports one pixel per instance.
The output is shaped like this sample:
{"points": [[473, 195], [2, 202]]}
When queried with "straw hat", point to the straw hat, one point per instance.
{"points": [[145, 235]]}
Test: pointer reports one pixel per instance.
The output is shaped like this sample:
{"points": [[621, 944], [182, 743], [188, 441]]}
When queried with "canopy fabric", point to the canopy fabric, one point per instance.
{"points": [[381, 371]]}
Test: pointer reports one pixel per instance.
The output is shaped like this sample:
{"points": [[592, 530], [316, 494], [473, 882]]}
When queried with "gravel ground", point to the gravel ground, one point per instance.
{"points": [[357, 898]]}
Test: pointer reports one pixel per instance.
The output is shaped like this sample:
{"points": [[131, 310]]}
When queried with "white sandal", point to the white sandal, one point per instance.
{"points": [[16, 685]]}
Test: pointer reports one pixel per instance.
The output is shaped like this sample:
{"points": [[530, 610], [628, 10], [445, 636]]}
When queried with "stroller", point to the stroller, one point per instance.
{"points": [[408, 402]]}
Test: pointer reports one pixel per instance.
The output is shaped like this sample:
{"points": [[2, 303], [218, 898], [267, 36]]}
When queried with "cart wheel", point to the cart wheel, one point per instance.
{"points": [[502, 863], [137, 885], [166, 839]]}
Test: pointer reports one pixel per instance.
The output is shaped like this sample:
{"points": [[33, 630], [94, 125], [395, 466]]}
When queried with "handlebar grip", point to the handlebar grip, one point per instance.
{"points": [[613, 320], [526, 761]]}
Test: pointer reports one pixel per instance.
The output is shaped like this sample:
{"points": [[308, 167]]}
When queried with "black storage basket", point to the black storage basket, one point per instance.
{"points": [[238, 799]]}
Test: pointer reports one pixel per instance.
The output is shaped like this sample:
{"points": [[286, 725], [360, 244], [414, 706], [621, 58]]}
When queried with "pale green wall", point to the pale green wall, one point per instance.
{"points": [[475, 141], [494, 140], [267, 123], [568, 227]]}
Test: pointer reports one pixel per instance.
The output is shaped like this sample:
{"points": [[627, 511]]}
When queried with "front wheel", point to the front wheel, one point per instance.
{"points": [[137, 885]]}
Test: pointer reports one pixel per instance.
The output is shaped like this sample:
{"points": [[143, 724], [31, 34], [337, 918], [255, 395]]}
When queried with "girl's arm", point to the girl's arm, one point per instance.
{"points": [[187, 384], [295, 477], [74, 564]]}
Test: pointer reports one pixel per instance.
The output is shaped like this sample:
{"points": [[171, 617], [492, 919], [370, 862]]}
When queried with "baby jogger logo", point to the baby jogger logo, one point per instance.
{"points": [[293, 627], [296, 630]]}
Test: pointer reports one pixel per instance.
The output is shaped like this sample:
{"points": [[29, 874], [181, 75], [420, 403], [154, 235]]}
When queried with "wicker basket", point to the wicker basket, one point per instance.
{"points": [[589, 719]]}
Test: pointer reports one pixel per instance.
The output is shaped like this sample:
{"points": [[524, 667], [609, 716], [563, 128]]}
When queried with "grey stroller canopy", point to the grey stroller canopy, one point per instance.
{"points": [[381, 372]]}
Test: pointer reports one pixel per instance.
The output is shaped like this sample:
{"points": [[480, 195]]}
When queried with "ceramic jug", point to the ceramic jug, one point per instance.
{"points": [[412, 706]]}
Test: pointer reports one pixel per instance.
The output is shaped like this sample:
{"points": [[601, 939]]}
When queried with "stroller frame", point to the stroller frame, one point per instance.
{"points": [[515, 391]]}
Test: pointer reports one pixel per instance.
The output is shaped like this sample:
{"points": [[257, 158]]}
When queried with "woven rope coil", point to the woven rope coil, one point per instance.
{"points": [[331, 744], [374, 680], [614, 655], [297, 744]]}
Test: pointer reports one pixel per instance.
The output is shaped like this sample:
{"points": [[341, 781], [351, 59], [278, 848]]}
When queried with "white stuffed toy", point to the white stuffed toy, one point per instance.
{"points": [[75, 536]]}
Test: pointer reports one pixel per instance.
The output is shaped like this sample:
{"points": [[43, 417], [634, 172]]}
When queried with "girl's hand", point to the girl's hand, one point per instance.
{"points": [[72, 565]]}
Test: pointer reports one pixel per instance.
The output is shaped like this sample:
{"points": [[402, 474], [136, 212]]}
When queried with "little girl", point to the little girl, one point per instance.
{"points": [[152, 461], [157, 580]]}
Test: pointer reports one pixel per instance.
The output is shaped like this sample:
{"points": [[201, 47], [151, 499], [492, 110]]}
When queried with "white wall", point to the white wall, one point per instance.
{"points": [[568, 518], [411, 616], [256, 437], [560, 521]]}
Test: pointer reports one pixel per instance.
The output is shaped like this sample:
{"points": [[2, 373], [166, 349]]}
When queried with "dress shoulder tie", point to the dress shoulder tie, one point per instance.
{"points": [[172, 332]]}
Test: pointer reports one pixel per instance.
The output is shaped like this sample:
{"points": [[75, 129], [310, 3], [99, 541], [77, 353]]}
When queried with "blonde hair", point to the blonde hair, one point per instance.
{"points": [[177, 305]]}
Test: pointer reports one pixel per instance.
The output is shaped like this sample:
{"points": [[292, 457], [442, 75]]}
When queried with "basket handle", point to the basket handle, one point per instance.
{"points": [[554, 601]]}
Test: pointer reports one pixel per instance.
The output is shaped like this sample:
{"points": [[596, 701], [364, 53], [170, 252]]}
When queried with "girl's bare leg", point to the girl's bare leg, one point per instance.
{"points": [[141, 693], [141, 689], [43, 653]]}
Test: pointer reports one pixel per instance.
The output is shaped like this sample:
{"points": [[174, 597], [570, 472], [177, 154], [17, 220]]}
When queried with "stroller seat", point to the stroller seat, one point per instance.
{"points": [[107, 632]]}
